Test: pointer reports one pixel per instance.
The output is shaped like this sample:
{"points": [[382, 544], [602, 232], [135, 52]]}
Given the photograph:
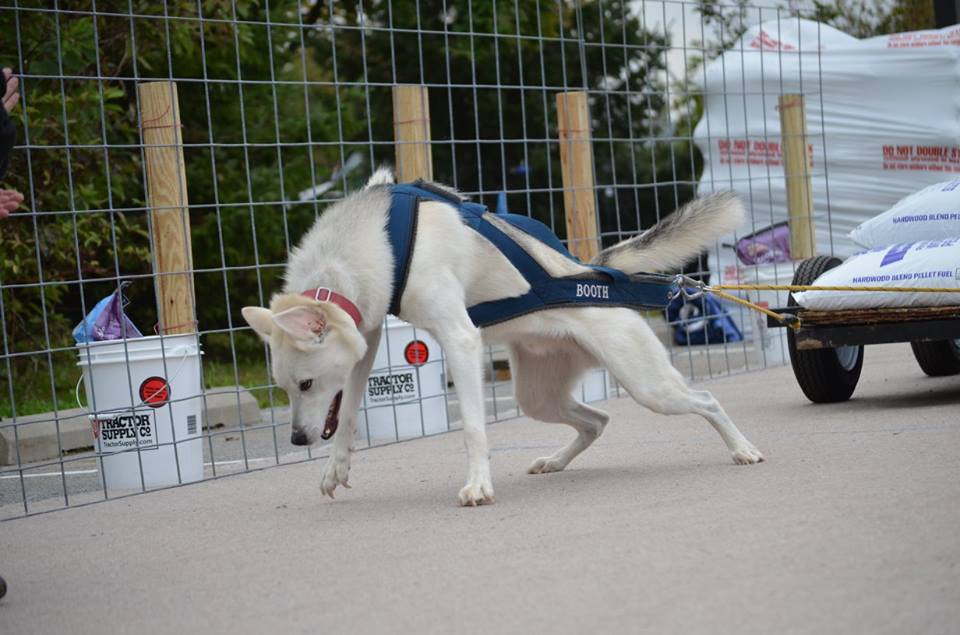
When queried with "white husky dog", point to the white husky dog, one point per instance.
{"points": [[322, 352]]}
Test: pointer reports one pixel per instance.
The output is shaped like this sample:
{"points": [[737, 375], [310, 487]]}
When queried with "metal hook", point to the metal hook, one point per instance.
{"points": [[689, 288]]}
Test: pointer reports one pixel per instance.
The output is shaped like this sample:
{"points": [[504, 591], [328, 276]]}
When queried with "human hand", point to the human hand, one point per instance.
{"points": [[12, 93], [9, 201]]}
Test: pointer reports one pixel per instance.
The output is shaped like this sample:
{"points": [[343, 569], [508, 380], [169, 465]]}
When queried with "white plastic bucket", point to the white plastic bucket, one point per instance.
{"points": [[403, 399], [144, 398]]}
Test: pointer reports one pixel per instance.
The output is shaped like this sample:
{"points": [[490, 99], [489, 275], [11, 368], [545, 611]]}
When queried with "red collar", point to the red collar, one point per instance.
{"points": [[323, 294]]}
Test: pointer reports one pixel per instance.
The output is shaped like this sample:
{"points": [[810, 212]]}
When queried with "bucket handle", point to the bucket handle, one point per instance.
{"points": [[166, 385]]}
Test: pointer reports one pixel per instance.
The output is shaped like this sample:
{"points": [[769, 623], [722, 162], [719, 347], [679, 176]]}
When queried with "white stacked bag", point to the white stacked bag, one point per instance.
{"points": [[931, 213], [914, 244], [883, 120], [926, 263]]}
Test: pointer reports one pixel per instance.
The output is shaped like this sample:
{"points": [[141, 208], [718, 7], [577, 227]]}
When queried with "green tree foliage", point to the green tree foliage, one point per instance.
{"points": [[493, 74]]}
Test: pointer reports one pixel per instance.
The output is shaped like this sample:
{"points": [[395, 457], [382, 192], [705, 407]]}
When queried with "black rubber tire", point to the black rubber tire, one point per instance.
{"points": [[820, 374], [3, 587], [938, 359]]}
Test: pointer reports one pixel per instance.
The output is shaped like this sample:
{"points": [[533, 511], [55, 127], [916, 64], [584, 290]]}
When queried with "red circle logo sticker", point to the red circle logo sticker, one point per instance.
{"points": [[416, 353], [154, 391]]}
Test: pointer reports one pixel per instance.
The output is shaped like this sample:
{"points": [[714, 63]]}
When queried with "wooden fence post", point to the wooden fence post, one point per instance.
{"points": [[576, 162], [411, 130], [167, 200], [796, 173]]}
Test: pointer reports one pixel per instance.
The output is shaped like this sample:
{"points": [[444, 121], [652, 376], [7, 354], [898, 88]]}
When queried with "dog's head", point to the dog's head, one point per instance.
{"points": [[314, 346]]}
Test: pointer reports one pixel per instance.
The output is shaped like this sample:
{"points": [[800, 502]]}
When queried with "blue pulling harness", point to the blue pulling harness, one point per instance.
{"points": [[602, 287]]}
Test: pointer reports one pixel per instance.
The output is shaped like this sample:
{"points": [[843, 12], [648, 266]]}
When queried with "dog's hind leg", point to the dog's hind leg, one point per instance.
{"points": [[589, 424], [626, 345], [542, 384]]}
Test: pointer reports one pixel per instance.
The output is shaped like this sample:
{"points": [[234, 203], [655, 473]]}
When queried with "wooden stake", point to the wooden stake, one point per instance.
{"points": [[411, 130], [796, 173], [167, 199], [576, 162]]}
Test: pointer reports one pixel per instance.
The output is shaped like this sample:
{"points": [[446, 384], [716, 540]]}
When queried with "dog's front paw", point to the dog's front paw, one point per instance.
{"points": [[747, 455], [477, 491], [335, 473]]}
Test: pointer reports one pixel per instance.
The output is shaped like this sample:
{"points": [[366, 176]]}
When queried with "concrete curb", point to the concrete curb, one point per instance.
{"points": [[36, 435], [230, 407]]}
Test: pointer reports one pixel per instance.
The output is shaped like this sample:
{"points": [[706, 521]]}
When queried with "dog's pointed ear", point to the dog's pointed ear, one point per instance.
{"points": [[260, 319], [306, 323], [383, 176]]}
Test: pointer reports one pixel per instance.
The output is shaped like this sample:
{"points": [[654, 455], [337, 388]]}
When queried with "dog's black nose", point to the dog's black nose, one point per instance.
{"points": [[299, 437]]}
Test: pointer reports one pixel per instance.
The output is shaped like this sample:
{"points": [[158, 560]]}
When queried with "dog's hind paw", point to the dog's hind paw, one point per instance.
{"points": [[747, 456], [476, 492], [545, 465]]}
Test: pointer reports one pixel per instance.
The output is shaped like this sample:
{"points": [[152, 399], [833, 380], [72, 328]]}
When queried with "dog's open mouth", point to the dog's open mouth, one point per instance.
{"points": [[333, 417]]}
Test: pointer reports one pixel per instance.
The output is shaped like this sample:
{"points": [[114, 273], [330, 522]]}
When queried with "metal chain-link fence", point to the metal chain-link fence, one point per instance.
{"points": [[272, 109]]}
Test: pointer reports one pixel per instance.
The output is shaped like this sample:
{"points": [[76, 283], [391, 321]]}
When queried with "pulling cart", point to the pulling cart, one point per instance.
{"points": [[826, 351]]}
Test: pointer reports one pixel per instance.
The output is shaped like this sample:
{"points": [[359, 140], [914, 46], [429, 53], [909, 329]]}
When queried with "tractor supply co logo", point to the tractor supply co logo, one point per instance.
{"points": [[124, 432], [154, 391], [597, 291], [392, 387], [416, 353]]}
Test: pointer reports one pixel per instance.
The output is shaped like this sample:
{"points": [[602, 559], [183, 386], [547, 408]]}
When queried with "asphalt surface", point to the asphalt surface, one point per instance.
{"points": [[851, 526], [48, 485]]}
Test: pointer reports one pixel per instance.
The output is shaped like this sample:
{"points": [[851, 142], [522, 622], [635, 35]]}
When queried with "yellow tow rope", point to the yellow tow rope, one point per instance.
{"points": [[787, 319]]}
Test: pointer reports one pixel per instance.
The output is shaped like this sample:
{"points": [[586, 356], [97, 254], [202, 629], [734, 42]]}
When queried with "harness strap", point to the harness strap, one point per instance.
{"points": [[402, 226], [651, 291], [402, 229], [614, 288]]}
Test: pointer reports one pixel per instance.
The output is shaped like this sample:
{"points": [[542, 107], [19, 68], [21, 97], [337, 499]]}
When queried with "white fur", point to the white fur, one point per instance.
{"points": [[382, 176], [453, 267], [679, 237]]}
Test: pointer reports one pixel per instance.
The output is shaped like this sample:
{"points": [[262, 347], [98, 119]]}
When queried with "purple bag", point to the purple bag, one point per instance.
{"points": [[765, 246], [106, 321], [113, 323]]}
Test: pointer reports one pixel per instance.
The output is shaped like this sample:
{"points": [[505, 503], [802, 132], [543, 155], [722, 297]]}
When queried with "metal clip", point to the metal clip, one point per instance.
{"points": [[689, 288]]}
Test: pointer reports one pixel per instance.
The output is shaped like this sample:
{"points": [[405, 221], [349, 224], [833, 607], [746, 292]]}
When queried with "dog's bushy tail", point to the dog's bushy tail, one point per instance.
{"points": [[672, 242]]}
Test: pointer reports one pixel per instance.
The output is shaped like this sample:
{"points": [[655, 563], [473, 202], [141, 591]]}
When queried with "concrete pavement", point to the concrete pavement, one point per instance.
{"points": [[852, 526]]}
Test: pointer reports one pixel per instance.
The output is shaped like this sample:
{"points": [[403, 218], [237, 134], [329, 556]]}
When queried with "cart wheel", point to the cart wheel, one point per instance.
{"points": [[938, 359], [826, 375]]}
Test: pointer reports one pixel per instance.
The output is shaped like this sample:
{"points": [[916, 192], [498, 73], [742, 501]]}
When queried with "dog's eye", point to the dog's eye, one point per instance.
{"points": [[305, 385]]}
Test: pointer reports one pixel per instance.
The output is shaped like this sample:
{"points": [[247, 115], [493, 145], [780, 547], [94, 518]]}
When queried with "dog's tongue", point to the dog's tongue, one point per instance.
{"points": [[333, 418]]}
